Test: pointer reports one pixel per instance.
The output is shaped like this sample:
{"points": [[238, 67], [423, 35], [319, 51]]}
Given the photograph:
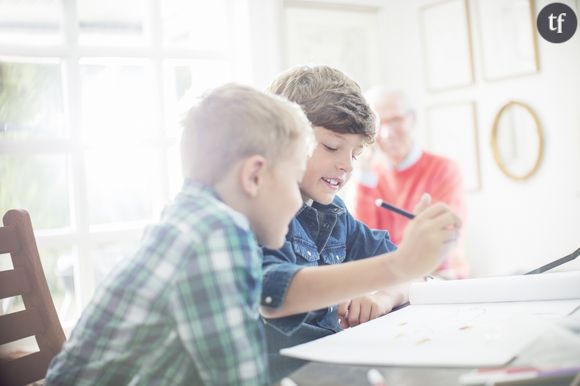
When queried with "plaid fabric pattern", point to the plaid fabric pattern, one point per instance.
{"points": [[182, 311]]}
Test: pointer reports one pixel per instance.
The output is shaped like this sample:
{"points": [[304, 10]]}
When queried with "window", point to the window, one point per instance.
{"points": [[90, 96]]}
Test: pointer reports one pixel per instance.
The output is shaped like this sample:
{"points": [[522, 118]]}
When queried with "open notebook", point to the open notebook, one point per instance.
{"points": [[472, 323]]}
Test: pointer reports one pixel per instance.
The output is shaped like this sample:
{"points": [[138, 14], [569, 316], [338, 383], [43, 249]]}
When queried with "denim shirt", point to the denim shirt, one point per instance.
{"points": [[318, 235]]}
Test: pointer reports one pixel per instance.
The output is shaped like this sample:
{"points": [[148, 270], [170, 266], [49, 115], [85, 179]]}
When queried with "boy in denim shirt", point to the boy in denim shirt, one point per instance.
{"points": [[184, 309], [324, 260]]}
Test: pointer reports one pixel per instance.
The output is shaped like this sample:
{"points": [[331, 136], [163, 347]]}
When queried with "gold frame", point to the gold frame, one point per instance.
{"points": [[494, 145], [469, 52], [534, 31]]}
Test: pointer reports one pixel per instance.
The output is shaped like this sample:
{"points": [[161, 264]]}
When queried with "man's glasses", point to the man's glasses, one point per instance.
{"points": [[397, 120]]}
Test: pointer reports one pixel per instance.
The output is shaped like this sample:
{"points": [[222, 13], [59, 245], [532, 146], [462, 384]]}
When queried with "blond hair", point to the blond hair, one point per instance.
{"points": [[234, 121], [329, 98]]}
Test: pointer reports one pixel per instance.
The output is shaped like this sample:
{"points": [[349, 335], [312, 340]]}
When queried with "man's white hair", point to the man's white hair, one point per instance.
{"points": [[377, 94]]}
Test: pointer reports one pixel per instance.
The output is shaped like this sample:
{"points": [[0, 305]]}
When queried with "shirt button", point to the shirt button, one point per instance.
{"points": [[268, 299]]}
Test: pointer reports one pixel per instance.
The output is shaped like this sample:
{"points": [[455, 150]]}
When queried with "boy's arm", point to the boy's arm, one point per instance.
{"points": [[280, 266], [426, 240], [215, 306], [363, 242]]}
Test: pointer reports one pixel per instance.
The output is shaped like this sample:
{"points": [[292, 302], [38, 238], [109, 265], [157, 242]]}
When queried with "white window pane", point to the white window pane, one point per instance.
{"points": [[31, 100], [197, 24], [59, 264], [111, 22], [116, 101], [122, 185], [39, 184], [30, 21], [186, 81]]}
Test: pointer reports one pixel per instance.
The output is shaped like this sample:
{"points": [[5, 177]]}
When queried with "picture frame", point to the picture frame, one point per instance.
{"points": [[446, 44], [452, 132], [507, 38], [342, 36]]}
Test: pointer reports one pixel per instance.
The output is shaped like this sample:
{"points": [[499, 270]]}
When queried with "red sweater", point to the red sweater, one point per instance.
{"points": [[433, 174]]}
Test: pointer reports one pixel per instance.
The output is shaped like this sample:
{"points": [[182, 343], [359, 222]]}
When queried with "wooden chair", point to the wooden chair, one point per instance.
{"points": [[39, 318]]}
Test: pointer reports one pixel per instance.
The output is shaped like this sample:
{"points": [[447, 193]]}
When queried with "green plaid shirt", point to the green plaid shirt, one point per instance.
{"points": [[182, 311]]}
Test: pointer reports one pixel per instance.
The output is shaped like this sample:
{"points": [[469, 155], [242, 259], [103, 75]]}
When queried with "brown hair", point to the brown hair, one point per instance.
{"points": [[329, 98], [232, 122]]}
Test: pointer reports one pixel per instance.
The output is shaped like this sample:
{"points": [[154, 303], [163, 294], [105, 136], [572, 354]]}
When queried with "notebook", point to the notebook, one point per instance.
{"points": [[472, 323]]}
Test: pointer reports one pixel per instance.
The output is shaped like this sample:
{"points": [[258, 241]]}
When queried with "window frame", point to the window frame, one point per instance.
{"points": [[81, 235]]}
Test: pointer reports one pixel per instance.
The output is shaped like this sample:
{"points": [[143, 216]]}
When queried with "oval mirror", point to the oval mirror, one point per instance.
{"points": [[517, 140]]}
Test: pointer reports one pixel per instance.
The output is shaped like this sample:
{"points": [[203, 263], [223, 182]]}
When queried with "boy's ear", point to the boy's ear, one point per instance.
{"points": [[252, 174]]}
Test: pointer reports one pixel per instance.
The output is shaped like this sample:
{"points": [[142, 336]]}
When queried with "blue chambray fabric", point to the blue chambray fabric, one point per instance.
{"points": [[318, 235]]}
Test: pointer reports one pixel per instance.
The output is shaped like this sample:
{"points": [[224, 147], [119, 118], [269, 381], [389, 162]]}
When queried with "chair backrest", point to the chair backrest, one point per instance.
{"points": [[39, 318]]}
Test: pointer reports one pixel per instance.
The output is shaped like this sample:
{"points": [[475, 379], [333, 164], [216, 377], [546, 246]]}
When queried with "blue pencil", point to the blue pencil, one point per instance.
{"points": [[392, 208]]}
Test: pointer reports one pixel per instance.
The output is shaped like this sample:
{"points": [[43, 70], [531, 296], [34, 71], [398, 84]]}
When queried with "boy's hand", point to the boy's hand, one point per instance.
{"points": [[426, 239], [368, 307]]}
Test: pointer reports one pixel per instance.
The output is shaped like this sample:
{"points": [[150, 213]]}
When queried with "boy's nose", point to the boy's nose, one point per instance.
{"points": [[345, 164]]}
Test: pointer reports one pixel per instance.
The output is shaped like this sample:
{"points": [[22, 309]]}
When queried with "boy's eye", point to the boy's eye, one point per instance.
{"points": [[330, 148]]}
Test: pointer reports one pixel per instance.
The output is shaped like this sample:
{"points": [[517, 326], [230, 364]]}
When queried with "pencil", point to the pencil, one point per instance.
{"points": [[555, 263], [392, 208]]}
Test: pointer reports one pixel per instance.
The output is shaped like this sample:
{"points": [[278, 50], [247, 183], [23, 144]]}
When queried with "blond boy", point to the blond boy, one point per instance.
{"points": [[183, 310]]}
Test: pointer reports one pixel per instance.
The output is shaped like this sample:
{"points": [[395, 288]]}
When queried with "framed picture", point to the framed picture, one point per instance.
{"points": [[344, 37], [446, 42], [507, 36], [452, 132]]}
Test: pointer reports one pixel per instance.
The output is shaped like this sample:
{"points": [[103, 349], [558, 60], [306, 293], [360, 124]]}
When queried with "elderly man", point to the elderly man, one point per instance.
{"points": [[398, 171]]}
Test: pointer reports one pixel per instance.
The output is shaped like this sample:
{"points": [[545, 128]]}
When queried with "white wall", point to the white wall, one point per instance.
{"points": [[512, 226]]}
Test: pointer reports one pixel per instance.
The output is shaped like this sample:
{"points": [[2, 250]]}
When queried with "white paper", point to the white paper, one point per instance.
{"points": [[470, 334], [545, 286]]}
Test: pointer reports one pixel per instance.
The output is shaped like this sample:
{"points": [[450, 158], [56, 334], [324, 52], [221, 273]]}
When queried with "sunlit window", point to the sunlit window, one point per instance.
{"points": [[36, 22], [31, 98], [91, 96], [112, 22]]}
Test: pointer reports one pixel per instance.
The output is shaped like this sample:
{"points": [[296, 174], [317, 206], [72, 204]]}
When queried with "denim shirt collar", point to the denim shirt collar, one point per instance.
{"points": [[317, 207]]}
